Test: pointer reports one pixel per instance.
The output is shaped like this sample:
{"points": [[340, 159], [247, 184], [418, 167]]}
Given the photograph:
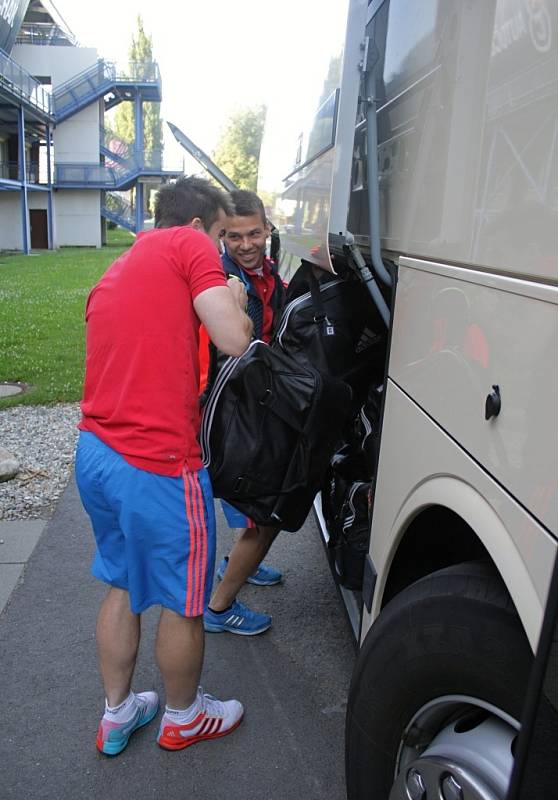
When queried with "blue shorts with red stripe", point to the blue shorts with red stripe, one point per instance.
{"points": [[235, 518], [155, 535]]}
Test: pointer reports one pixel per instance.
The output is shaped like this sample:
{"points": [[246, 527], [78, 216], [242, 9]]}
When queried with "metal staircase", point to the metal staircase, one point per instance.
{"points": [[17, 83], [121, 163], [118, 173], [113, 148], [104, 79], [117, 209]]}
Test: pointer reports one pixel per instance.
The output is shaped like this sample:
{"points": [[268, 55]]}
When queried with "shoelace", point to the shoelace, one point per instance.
{"points": [[141, 702], [211, 705]]}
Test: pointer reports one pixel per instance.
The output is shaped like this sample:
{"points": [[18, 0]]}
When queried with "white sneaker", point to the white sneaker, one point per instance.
{"points": [[216, 718]]}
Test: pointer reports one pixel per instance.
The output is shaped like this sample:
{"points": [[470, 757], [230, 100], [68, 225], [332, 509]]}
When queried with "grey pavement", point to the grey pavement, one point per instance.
{"points": [[293, 680], [17, 541]]}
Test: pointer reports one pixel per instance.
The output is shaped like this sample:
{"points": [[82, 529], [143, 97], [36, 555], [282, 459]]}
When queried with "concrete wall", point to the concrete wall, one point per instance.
{"points": [[76, 139], [37, 200], [61, 63], [77, 214], [10, 213]]}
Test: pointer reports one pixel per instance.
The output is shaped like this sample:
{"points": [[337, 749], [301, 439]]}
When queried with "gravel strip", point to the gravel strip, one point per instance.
{"points": [[43, 439]]}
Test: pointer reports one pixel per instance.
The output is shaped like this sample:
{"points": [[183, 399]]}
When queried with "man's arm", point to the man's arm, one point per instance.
{"points": [[220, 309]]}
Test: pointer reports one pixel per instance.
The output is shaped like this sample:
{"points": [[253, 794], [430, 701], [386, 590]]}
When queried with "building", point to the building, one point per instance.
{"points": [[62, 176]]}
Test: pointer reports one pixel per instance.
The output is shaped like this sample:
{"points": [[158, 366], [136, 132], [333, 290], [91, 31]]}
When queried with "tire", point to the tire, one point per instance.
{"points": [[454, 635]]}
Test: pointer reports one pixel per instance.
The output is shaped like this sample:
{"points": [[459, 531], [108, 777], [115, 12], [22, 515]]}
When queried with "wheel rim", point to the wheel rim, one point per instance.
{"points": [[455, 748]]}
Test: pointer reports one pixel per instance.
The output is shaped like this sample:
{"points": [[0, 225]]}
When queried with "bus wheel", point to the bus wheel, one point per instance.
{"points": [[437, 692]]}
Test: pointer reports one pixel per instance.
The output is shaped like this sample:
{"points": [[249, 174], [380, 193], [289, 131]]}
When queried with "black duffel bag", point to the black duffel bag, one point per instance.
{"points": [[269, 429], [346, 506], [332, 323]]}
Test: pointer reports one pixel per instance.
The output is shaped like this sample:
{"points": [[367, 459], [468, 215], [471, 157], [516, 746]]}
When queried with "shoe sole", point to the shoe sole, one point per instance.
{"points": [[209, 628], [255, 581], [114, 748], [181, 745]]}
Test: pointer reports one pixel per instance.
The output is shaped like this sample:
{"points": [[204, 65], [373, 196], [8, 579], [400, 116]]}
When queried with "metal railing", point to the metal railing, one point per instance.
{"points": [[44, 33], [119, 210], [118, 205], [22, 85], [115, 174], [113, 147], [85, 174], [99, 79], [11, 171]]}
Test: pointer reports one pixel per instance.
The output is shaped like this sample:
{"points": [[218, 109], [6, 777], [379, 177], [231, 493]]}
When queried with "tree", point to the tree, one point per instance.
{"points": [[140, 56], [238, 149]]}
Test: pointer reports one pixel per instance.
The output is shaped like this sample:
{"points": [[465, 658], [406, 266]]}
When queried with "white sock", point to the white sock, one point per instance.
{"points": [[181, 716], [122, 712]]}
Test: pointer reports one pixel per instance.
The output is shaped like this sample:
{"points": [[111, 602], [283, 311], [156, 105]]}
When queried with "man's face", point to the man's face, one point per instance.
{"points": [[215, 231], [245, 238]]}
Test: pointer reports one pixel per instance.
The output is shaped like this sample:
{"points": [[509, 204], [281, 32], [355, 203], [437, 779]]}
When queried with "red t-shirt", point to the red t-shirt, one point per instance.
{"points": [[142, 371]]}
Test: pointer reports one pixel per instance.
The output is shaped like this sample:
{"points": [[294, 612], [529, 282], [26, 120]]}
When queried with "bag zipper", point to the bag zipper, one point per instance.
{"points": [[209, 408], [289, 308]]}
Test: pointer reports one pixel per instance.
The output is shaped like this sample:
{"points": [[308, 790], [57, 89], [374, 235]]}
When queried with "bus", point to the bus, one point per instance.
{"points": [[429, 167]]}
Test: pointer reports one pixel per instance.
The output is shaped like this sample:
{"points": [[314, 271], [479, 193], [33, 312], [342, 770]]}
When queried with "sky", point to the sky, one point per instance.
{"points": [[217, 55]]}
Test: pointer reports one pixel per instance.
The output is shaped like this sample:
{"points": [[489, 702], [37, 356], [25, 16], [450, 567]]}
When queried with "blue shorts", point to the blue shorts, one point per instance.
{"points": [[235, 519], [155, 535]]}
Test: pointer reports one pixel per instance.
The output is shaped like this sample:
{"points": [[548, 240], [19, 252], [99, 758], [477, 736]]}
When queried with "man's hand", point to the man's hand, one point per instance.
{"points": [[239, 291]]}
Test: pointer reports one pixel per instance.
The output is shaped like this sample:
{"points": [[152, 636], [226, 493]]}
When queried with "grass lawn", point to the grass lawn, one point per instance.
{"points": [[42, 301]]}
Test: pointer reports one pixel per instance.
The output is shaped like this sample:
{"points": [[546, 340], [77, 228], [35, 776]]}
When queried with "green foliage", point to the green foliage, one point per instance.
{"points": [[42, 330], [124, 125], [152, 128], [238, 150], [140, 55]]}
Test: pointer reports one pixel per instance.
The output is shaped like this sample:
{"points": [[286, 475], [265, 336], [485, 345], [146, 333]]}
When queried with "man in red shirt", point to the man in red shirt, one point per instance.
{"points": [[138, 464], [245, 260]]}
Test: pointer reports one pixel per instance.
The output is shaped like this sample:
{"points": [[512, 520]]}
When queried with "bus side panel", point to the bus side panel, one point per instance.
{"points": [[457, 334], [421, 466]]}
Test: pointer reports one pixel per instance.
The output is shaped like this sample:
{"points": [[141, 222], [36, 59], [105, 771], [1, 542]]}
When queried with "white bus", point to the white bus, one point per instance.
{"points": [[456, 214]]}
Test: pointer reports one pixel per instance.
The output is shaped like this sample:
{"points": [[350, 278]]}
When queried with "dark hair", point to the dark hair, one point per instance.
{"points": [[179, 202], [247, 204]]}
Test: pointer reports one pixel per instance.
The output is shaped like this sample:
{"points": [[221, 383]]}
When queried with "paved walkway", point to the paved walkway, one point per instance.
{"points": [[293, 681], [17, 542]]}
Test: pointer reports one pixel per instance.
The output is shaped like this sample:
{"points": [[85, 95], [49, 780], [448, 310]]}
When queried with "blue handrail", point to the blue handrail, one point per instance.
{"points": [[106, 71], [98, 80], [117, 209], [23, 85], [11, 171], [113, 176]]}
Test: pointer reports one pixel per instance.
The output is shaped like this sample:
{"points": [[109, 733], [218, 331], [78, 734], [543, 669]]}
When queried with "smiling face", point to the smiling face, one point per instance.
{"points": [[245, 239]]}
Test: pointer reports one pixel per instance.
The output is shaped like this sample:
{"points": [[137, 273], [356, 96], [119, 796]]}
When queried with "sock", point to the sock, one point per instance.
{"points": [[224, 611], [123, 712], [181, 716]]}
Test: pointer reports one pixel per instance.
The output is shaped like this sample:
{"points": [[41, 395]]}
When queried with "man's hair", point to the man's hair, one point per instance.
{"points": [[178, 203], [247, 204]]}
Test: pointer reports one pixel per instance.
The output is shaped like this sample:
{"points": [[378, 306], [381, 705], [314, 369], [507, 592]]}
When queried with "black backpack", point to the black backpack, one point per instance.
{"points": [[332, 323], [269, 429]]}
